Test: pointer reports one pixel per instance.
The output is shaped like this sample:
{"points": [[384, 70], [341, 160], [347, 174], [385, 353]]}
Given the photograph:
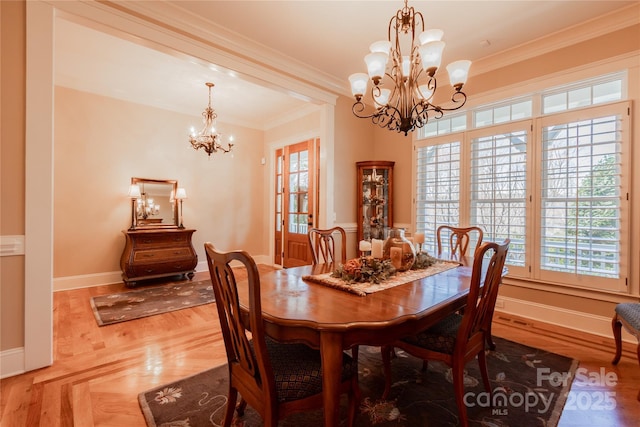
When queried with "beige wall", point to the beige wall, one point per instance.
{"points": [[100, 143]]}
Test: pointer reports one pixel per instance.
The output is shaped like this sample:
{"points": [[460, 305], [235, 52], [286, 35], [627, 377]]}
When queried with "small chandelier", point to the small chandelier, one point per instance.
{"points": [[208, 138], [406, 105]]}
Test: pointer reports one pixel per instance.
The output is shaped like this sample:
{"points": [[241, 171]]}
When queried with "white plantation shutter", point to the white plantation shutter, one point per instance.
{"points": [[498, 186], [584, 211], [437, 189]]}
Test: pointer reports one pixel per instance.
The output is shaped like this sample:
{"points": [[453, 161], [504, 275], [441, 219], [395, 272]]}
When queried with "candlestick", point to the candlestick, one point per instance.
{"points": [[419, 239], [376, 248], [364, 246]]}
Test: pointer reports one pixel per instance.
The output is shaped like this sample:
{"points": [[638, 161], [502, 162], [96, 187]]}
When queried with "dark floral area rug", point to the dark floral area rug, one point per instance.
{"points": [[152, 300], [417, 398]]}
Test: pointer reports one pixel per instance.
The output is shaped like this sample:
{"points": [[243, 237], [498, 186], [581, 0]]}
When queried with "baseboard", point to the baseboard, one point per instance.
{"points": [[559, 321], [11, 362], [111, 277], [86, 280]]}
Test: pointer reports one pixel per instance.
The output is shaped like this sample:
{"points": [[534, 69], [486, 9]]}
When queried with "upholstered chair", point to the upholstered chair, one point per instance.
{"points": [[627, 315]]}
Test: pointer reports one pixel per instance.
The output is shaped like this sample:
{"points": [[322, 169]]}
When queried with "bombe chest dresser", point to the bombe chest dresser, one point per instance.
{"points": [[155, 253]]}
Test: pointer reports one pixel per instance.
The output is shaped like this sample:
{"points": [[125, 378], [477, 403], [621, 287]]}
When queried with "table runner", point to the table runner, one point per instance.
{"points": [[364, 288]]}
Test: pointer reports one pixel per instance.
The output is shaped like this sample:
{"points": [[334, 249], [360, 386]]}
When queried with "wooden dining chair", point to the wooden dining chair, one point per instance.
{"points": [[457, 239], [627, 315], [323, 245], [276, 379], [457, 339]]}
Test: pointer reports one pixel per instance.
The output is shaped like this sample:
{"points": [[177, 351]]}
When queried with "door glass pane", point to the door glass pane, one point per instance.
{"points": [[278, 221], [303, 202], [293, 183], [304, 160], [279, 183], [302, 224], [279, 203], [293, 203], [279, 165], [304, 181], [293, 224], [293, 162]]}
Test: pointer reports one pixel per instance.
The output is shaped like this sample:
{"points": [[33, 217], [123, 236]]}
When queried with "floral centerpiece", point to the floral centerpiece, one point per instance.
{"points": [[365, 269], [423, 260]]}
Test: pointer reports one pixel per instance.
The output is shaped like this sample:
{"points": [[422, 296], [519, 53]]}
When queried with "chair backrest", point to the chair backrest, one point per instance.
{"points": [[252, 368], [458, 239], [323, 245], [486, 277]]}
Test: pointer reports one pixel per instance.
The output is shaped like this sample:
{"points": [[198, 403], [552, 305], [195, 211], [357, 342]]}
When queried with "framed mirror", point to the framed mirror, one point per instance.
{"points": [[153, 203]]}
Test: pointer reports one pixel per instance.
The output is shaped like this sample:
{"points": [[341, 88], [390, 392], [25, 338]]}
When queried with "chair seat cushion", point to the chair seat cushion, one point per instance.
{"points": [[297, 369], [630, 312], [441, 337]]}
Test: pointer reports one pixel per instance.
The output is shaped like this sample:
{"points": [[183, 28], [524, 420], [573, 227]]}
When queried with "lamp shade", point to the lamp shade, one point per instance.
{"points": [[358, 83], [431, 56], [432, 35], [181, 193], [383, 46], [376, 64], [458, 72], [134, 191], [383, 98], [424, 92]]}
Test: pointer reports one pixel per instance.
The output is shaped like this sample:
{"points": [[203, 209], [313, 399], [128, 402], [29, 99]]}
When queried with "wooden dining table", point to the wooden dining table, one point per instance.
{"points": [[298, 310]]}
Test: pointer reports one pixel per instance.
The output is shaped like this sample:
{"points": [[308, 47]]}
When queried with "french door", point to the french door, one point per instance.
{"points": [[296, 202]]}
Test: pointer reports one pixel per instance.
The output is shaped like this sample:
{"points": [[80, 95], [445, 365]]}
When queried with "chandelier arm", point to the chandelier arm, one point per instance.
{"points": [[461, 102]]}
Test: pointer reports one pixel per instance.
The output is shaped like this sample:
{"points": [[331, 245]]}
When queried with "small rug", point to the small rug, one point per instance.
{"points": [[152, 300], [364, 288], [417, 398]]}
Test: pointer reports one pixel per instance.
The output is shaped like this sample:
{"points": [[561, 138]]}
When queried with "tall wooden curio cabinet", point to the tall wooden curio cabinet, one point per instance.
{"points": [[375, 199]]}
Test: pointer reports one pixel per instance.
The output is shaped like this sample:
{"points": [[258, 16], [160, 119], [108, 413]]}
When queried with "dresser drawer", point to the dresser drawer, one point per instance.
{"points": [[142, 270], [161, 240], [152, 256]]}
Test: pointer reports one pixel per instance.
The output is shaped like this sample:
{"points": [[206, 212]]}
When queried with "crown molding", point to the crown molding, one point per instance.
{"points": [[616, 20], [227, 42]]}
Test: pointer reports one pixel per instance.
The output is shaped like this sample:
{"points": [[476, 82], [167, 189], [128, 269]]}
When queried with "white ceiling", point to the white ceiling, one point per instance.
{"points": [[329, 37]]}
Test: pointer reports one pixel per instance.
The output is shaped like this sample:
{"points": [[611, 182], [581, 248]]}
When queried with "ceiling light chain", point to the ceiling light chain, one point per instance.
{"points": [[407, 105], [208, 138]]}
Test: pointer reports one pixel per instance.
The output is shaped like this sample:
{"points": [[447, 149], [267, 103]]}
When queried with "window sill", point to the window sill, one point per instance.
{"points": [[566, 289]]}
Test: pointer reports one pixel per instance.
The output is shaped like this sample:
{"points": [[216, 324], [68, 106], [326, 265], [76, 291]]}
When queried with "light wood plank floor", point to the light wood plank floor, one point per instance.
{"points": [[99, 371]]}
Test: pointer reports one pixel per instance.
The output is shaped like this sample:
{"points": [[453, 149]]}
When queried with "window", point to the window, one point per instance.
{"points": [[498, 186], [438, 189], [554, 182], [445, 125], [583, 197], [502, 113]]}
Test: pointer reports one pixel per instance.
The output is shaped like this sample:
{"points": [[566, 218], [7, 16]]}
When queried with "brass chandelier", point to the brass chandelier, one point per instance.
{"points": [[406, 102], [208, 138]]}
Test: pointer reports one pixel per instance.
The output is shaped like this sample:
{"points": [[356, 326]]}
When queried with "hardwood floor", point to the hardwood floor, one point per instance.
{"points": [[99, 371]]}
